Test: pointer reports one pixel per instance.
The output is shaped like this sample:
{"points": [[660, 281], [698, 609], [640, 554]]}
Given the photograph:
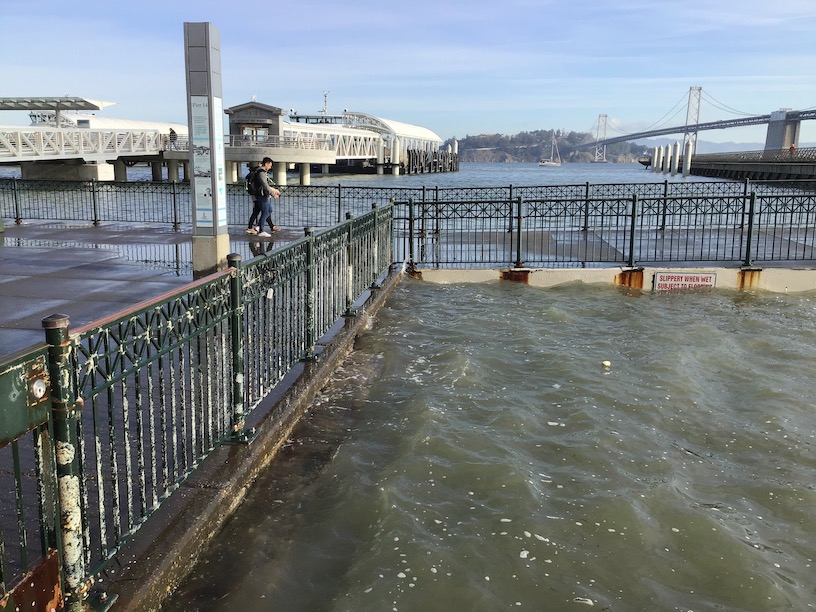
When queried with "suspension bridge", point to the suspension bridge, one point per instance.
{"points": [[783, 127]]}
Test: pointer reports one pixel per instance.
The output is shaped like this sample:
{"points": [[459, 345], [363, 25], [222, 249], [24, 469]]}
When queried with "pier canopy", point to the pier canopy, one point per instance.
{"points": [[413, 136], [53, 104]]}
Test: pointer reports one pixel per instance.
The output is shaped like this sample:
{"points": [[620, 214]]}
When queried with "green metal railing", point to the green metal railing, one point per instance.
{"points": [[316, 206], [609, 226], [131, 405]]}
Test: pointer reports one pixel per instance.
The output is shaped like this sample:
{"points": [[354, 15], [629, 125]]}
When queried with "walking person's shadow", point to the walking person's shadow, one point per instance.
{"points": [[259, 247]]}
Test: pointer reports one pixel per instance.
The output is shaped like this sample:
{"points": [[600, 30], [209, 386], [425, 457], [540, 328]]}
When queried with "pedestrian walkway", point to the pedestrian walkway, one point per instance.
{"points": [[89, 272]]}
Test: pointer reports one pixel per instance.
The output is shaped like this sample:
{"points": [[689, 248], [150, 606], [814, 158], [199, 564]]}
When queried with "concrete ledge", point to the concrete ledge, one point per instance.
{"points": [[774, 279], [148, 569]]}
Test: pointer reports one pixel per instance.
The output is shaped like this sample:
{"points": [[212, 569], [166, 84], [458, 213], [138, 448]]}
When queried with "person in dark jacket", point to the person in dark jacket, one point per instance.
{"points": [[263, 200]]}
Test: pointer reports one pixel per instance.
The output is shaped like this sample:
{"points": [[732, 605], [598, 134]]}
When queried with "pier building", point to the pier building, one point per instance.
{"points": [[66, 142]]}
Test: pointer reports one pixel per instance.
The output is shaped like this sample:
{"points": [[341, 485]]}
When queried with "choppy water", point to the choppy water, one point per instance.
{"points": [[475, 453]]}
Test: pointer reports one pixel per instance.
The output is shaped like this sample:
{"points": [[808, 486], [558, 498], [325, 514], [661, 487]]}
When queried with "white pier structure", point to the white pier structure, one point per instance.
{"points": [[86, 146]]}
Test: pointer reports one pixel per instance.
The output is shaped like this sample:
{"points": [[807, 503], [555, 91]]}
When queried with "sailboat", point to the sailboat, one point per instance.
{"points": [[555, 156]]}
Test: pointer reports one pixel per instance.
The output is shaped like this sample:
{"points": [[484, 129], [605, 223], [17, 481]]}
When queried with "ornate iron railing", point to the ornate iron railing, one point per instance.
{"points": [[305, 206], [140, 398], [607, 226]]}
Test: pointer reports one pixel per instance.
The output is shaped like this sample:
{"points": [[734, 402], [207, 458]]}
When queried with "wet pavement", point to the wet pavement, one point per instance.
{"points": [[89, 272]]}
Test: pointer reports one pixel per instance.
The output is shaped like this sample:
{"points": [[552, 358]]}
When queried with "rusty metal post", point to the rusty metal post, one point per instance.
{"points": [[519, 216], [66, 415], [751, 208], [633, 228]]}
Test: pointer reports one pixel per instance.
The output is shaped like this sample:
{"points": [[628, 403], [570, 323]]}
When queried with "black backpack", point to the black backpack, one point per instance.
{"points": [[251, 182]]}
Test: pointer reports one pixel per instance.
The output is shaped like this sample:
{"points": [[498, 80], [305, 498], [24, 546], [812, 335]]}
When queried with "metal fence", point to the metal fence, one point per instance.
{"points": [[608, 226], [306, 206], [116, 414]]}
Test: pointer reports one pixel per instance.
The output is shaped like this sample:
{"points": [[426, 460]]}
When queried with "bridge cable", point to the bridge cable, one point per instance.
{"points": [[717, 104]]}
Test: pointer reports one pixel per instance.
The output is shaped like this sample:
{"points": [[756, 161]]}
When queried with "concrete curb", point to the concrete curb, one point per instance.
{"points": [[146, 570], [773, 279]]}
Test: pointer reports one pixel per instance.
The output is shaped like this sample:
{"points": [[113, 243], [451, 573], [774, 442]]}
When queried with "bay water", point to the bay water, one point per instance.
{"points": [[497, 446]]}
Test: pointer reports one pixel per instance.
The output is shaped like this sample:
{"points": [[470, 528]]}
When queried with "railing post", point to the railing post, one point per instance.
{"points": [[18, 217], [411, 262], [94, 197], [746, 192], [339, 203], [519, 215], [239, 435], [665, 205], [751, 207], [65, 410], [586, 208], [632, 229], [176, 223], [309, 353], [375, 254], [350, 265]]}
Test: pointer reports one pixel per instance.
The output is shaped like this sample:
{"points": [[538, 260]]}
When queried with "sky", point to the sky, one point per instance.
{"points": [[457, 67]]}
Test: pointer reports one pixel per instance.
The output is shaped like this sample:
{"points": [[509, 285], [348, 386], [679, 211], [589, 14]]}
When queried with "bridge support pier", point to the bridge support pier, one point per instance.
{"points": [[172, 171], [119, 171], [279, 173], [305, 171], [156, 171]]}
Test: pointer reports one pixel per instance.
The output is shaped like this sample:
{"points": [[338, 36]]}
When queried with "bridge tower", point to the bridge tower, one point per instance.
{"points": [[600, 150], [692, 118]]}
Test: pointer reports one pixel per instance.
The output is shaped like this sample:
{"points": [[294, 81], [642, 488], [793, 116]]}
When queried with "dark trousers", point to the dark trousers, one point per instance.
{"points": [[256, 212]]}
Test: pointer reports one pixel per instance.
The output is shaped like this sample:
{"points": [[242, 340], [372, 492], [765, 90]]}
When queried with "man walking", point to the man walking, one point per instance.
{"points": [[263, 203]]}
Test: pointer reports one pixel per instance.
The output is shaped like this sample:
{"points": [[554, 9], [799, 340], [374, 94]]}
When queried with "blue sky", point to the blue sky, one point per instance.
{"points": [[457, 67]]}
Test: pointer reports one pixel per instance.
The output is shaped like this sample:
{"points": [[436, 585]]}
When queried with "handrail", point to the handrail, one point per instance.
{"points": [[772, 156]]}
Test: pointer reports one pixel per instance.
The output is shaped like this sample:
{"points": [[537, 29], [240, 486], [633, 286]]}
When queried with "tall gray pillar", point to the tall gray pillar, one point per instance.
{"points": [[205, 121]]}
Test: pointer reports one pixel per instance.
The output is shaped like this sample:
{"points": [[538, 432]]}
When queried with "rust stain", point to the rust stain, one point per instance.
{"points": [[39, 589], [414, 273], [748, 278], [519, 276], [630, 278]]}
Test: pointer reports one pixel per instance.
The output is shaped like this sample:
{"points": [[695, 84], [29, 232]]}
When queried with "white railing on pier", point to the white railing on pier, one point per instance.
{"points": [[44, 143], [32, 144]]}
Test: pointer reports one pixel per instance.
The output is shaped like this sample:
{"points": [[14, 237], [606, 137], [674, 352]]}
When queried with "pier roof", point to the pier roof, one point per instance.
{"points": [[389, 126], [52, 104]]}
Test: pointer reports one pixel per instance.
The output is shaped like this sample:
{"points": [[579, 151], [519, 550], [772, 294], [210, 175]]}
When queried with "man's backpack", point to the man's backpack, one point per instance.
{"points": [[251, 182]]}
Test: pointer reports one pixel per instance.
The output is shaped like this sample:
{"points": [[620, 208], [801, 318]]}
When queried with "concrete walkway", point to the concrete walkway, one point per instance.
{"points": [[89, 272]]}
